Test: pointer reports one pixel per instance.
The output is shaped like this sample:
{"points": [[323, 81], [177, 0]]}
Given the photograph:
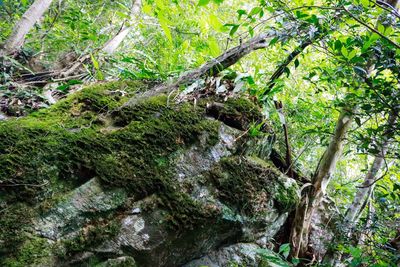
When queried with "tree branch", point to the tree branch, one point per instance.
{"points": [[211, 67], [371, 28]]}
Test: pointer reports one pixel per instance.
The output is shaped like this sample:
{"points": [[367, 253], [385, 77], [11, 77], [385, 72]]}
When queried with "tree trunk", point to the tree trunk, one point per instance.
{"points": [[363, 193], [111, 45], [31, 16], [116, 41], [354, 210], [313, 194]]}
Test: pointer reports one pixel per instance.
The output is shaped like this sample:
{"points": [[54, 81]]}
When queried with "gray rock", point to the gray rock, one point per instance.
{"points": [[241, 254], [72, 212], [200, 213]]}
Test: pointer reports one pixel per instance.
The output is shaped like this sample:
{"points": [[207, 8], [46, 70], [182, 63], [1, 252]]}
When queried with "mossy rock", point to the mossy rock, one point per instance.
{"points": [[92, 144], [250, 182]]}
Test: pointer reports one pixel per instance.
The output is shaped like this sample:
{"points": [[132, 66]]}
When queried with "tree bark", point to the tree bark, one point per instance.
{"points": [[354, 210], [313, 194], [363, 193], [212, 67], [17, 38], [111, 46]]}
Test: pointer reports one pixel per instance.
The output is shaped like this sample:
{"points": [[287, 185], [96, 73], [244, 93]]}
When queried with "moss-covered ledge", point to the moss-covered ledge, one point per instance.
{"points": [[251, 183], [87, 135]]}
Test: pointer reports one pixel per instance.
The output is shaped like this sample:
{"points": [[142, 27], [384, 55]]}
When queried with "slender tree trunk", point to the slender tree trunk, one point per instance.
{"points": [[31, 16], [363, 193], [313, 194], [116, 41], [367, 230], [111, 45], [354, 210]]}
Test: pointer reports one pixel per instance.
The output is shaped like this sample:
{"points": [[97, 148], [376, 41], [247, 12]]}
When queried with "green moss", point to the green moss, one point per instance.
{"points": [[239, 113], [139, 153], [287, 196], [184, 211], [250, 186], [285, 192], [33, 252], [14, 221], [243, 107], [119, 262], [91, 235], [84, 109], [55, 150]]}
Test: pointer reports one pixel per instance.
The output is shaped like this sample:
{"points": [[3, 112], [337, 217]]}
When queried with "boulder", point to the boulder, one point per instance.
{"points": [[93, 182]]}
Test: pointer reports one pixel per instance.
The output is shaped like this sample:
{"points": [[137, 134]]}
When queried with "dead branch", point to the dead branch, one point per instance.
{"points": [[212, 67]]}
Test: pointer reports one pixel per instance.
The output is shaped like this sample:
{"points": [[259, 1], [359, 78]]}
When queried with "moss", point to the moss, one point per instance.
{"points": [[33, 252], [184, 211], [251, 186], [139, 153], [286, 195], [55, 150], [243, 107], [15, 220], [239, 113], [84, 109], [91, 235], [118, 262], [285, 191]]}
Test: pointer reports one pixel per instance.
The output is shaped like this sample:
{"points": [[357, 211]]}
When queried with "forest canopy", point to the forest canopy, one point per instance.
{"points": [[325, 75]]}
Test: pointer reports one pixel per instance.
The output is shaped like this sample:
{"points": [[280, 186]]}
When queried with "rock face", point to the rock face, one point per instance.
{"points": [[155, 184]]}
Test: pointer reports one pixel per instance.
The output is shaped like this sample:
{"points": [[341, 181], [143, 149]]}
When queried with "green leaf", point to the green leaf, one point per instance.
{"points": [[255, 11], [160, 4], [63, 87], [365, 3], [344, 51], [122, 15], [146, 9], [273, 41], [295, 261], [287, 71], [214, 47], [164, 25], [338, 45], [358, 121], [73, 82], [203, 2], [381, 28], [352, 54], [241, 12], [296, 63], [300, 14], [215, 23], [234, 29], [284, 249], [388, 31], [95, 62], [251, 31]]}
